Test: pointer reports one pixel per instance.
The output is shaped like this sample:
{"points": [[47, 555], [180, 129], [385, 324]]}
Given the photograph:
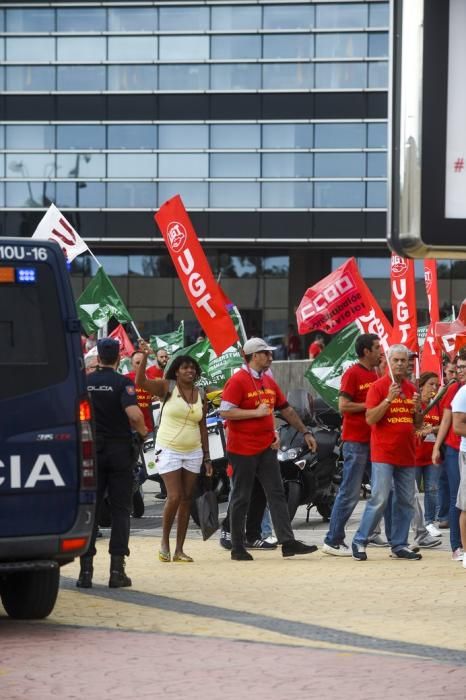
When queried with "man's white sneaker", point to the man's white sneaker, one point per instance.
{"points": [[271, 539], [337, 550], [458, 555], [433, 531]]}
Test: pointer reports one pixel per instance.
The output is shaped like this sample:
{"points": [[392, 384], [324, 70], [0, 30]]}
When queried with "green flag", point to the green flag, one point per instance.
{"points": [[99, 302], [215, 370], [171, 342], [326, 371]]}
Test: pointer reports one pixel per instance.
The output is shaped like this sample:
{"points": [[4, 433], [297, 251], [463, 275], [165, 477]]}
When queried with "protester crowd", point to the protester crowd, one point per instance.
{"points": [[407, 431]]}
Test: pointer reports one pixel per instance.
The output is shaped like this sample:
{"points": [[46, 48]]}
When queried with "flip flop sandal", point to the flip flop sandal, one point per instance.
{"points": [[182, 558], [165, 556]]}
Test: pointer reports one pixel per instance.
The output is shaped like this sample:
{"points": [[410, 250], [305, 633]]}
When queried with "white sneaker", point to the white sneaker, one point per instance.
{"points": [[458, 555], [432, 530], [464, 562], [338, 550], [271, 539]]}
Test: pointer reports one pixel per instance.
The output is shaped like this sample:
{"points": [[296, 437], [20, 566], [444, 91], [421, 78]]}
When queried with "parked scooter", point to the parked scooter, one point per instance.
{"points": [[220, 483], [309, 478]]}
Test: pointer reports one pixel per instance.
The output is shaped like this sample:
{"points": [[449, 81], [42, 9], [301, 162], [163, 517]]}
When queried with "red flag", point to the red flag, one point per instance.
{"points": [[431, 360], [339, 299], [403, 286], [195, 274], [126, 346], [455, 328]]}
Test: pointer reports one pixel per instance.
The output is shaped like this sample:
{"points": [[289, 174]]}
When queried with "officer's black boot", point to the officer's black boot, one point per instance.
{"points": [[118, 578], [85, 573]]}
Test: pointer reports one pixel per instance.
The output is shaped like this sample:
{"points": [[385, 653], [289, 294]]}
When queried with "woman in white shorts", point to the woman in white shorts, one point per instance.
{"points": [[182, 443]]}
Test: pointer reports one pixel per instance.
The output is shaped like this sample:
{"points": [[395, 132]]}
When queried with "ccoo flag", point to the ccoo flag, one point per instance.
{"points": [[195, 274], [99, 302], [327, 369], [339, 299], [54, 227], [171, 342]]}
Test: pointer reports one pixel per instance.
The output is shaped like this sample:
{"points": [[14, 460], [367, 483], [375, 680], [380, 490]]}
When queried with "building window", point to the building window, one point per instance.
{"points": [[85, 19], [341, 16]]}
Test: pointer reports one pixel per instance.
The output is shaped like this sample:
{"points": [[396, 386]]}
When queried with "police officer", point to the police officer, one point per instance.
{"points": [[116, 414]]}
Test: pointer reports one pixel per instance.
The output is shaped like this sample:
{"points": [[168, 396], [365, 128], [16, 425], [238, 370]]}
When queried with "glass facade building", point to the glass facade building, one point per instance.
{"points": [[268, 118]]}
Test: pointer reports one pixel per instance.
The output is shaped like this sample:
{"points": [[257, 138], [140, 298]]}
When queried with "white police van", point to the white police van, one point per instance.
{"points": [[47, 459]]}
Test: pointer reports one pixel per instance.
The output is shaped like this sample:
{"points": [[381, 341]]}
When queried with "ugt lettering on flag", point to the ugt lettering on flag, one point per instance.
{"points": [[338, 300], [195, 274], [54, 227]]}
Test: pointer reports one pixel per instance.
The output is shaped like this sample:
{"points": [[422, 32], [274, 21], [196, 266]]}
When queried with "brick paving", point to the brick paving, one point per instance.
{"points": [[313, 626]]}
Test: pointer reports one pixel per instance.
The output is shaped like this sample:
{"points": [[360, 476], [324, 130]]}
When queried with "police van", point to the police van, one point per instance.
{"points": [[47, 456]]}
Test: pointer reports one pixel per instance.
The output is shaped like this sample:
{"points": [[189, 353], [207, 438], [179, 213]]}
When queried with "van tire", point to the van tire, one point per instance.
{"points": [[30, 595]]}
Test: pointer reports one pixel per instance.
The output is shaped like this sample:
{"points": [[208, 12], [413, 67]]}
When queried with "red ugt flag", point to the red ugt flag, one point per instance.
{"points": [[339, 299], [403, 286], [195, 274]]}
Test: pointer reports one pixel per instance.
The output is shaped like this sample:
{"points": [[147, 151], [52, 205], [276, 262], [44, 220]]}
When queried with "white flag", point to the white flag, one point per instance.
{"points": [[54, 227]]}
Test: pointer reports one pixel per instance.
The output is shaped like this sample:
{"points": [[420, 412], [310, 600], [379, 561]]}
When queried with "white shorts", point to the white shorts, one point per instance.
{"points": [[461, 497], [168, 460]]}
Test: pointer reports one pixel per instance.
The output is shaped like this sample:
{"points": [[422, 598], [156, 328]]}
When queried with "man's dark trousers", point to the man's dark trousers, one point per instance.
{"points": [[246, 468], [115, 475]]}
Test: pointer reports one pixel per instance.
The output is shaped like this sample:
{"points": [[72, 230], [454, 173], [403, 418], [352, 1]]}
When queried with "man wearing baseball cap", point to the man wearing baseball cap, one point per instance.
{"points": [[249, 399], [116, 414]]}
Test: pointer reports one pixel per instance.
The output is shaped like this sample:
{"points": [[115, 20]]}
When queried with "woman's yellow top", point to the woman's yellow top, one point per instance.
{"points": [[179, 427]]}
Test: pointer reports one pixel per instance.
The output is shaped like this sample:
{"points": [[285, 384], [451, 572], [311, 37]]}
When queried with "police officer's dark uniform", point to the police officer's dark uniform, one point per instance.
{"points": [[111, 393]]}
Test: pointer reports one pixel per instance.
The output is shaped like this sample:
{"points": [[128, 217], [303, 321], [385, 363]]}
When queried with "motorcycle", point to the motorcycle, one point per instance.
{"points": [[311, 478], [220, 483]]}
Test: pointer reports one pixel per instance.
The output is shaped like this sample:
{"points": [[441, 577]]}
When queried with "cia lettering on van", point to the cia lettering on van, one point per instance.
{"points": [[44, 469]]}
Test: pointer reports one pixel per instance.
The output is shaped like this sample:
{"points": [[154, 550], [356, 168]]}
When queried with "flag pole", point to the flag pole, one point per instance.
{"points": [[133, 325]]}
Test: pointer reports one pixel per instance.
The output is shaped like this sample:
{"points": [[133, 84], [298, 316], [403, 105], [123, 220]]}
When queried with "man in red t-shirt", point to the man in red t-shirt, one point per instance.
{"points": [[393, 412], [447, 437], [143, 398], [248, 402], [316, 347], [356, 434]]}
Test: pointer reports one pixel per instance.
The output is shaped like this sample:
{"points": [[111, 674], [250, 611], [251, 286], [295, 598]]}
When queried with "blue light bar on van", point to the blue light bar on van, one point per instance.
{"points": [[26, 275]]}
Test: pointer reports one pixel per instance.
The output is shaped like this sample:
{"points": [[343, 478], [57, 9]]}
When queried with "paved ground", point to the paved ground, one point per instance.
{"points": [[313, 626]]}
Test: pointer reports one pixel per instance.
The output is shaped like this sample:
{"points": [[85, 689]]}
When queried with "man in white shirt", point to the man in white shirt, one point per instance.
{"points": [[458, 407]]}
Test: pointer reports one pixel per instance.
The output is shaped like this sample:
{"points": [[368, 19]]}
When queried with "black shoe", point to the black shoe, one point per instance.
{"points": [[406, 553], [241, 555], [260, 544], [293, 547], [118, 578], [225, 539], [86, 572], [160, 496]]}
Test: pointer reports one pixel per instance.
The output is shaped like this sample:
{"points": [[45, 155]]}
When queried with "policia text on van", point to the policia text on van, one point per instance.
{"points": [[47, 458]]}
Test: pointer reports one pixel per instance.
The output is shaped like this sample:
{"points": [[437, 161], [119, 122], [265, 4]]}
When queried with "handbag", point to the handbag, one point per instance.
{"points": [[207, 508]]}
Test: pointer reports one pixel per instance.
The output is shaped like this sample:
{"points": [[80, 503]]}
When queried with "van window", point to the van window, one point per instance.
{"points": [[32, 330]]}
